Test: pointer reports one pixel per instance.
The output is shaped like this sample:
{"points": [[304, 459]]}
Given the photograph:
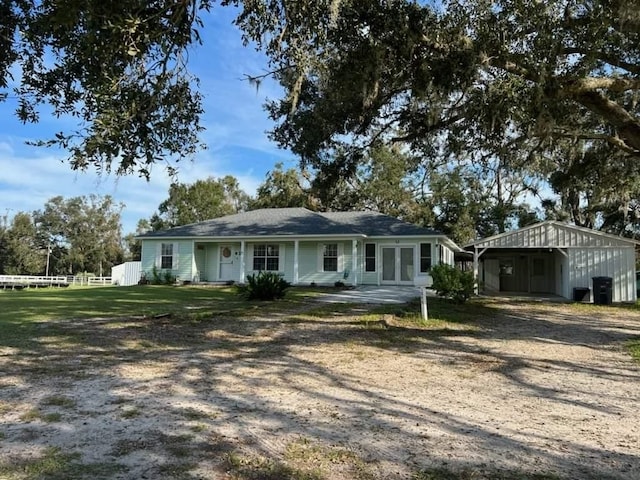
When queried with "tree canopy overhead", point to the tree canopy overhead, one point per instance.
{"points": [[492, 78], [118, 68]]}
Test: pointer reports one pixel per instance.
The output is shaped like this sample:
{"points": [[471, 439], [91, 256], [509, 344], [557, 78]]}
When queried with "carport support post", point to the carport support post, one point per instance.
{"points": [[423, 304], [476, 268]]}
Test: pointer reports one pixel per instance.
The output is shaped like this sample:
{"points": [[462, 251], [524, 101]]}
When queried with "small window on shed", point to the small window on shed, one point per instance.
{"points": [[506, 267]]}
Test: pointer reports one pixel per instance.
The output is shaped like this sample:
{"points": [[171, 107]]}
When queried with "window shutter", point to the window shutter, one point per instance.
{"points": [[281, 257], [340, 257], [158, 255], [175, 257], [320, 258]]}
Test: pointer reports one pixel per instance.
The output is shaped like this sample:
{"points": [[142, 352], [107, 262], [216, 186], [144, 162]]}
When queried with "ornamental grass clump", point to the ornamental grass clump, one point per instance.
{"points": [[264, 286]]}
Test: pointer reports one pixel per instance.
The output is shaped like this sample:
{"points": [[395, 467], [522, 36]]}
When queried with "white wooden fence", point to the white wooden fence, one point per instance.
{"points": [[27, 281], [91, 281]]}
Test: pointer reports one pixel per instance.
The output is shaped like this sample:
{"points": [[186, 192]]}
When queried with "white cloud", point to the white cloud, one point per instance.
{"points": [[235, 123]]}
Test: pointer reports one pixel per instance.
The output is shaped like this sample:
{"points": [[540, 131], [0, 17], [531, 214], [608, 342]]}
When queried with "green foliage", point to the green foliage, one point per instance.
{"points": [[633, 346], [282, 189], [162, 277], [23, 252], [202, 200], [84, 233], [453, 283], [115, 70], [465, 84], [264, 286]]}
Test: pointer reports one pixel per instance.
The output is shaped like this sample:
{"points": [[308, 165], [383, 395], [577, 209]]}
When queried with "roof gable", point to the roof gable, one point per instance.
{"points": [[551, 234]]}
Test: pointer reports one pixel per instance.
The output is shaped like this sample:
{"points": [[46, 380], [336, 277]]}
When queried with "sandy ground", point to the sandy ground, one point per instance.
{"points": [[535, 389]]}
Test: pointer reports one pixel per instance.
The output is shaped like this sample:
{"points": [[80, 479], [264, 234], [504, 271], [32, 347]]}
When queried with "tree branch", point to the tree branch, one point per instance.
{"points": [[605, 57], [627, 126], [611, 139], [589, 84]]}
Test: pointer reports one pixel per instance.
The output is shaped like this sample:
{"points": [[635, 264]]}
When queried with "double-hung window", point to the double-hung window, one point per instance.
{"points": [[425, 257], [330, 257], [266, 257], [370, 257], [166, 256]]}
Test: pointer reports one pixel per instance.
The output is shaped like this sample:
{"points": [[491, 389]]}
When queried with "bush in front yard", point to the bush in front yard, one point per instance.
{"points": [[264, 286], [453, 283]]}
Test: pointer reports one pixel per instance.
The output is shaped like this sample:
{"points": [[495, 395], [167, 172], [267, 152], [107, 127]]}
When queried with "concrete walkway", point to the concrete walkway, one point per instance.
{"points": [[373, 294]]}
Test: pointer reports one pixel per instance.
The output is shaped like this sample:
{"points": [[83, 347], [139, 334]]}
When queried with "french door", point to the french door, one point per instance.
{"points": [[398, 265]]}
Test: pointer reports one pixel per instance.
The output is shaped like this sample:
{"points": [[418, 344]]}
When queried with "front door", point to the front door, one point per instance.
{"points": [[398, 265], [226, 263]]}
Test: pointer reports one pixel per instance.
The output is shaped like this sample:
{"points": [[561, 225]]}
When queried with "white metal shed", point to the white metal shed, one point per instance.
{"points": [[555, 258], [126, 274]]}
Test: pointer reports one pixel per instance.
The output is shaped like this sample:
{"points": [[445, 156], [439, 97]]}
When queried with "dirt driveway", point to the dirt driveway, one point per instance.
{"points": [[528, 391]]}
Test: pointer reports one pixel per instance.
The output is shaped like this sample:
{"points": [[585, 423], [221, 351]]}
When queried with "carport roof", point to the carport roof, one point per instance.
{"points": [[551, 234]]}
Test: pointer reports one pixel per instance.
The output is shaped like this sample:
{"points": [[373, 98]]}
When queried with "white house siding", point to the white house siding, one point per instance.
{"points": [[309, 263], [199, 260], [440, 253], [183, 251], [617, 263]]}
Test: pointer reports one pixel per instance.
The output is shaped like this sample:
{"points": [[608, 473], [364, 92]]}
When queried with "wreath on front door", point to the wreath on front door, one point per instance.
{"points": [[226, 253]]}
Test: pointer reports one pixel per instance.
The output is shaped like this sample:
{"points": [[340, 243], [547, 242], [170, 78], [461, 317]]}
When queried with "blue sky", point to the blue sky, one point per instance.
{"points": [[234, 118]]}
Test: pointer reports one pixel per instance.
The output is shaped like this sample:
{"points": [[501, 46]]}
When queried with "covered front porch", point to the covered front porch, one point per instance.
{"points": [[308, 261]]}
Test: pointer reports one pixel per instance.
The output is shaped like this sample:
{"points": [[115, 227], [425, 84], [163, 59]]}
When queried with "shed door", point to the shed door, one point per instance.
{"points": [[492, 275], [541, 281]]}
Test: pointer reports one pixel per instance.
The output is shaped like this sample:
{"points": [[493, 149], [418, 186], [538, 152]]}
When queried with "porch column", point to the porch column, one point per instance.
{"points": [[242, 260], [354, 261], [476, 289], [296, 251]]}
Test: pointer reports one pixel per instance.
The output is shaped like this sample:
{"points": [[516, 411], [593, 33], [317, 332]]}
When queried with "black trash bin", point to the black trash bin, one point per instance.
{"points": [[602, 290], [581, 294]]}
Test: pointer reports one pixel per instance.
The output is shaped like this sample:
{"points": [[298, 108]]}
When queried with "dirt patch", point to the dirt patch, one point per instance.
{"points": [[526, 390]]}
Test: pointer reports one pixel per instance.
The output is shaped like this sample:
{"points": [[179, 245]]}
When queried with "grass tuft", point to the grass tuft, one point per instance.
{"points": [[633, 346], [54, 464]]}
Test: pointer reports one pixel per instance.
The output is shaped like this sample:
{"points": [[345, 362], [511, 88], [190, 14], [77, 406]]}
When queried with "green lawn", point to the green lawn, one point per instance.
{"points": [[22, 310], [88, 302]]}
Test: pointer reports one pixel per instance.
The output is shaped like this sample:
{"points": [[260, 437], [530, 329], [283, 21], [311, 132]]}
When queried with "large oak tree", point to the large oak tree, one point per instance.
{"points": [[491, 76], [117, 68]]}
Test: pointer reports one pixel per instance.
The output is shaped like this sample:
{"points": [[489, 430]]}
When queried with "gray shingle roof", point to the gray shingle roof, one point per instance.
{"points": [[295, 221], [374, 224]]}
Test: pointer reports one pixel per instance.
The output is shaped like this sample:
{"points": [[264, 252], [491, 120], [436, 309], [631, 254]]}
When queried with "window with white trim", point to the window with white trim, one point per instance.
{"points": [[330, 257], [266, 257], [166, 256], [370, 257], [425, 257]]}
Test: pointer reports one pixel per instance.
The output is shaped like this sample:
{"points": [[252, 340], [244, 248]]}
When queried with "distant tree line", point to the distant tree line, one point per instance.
{"points": [[67, 237], [465, 200]]}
